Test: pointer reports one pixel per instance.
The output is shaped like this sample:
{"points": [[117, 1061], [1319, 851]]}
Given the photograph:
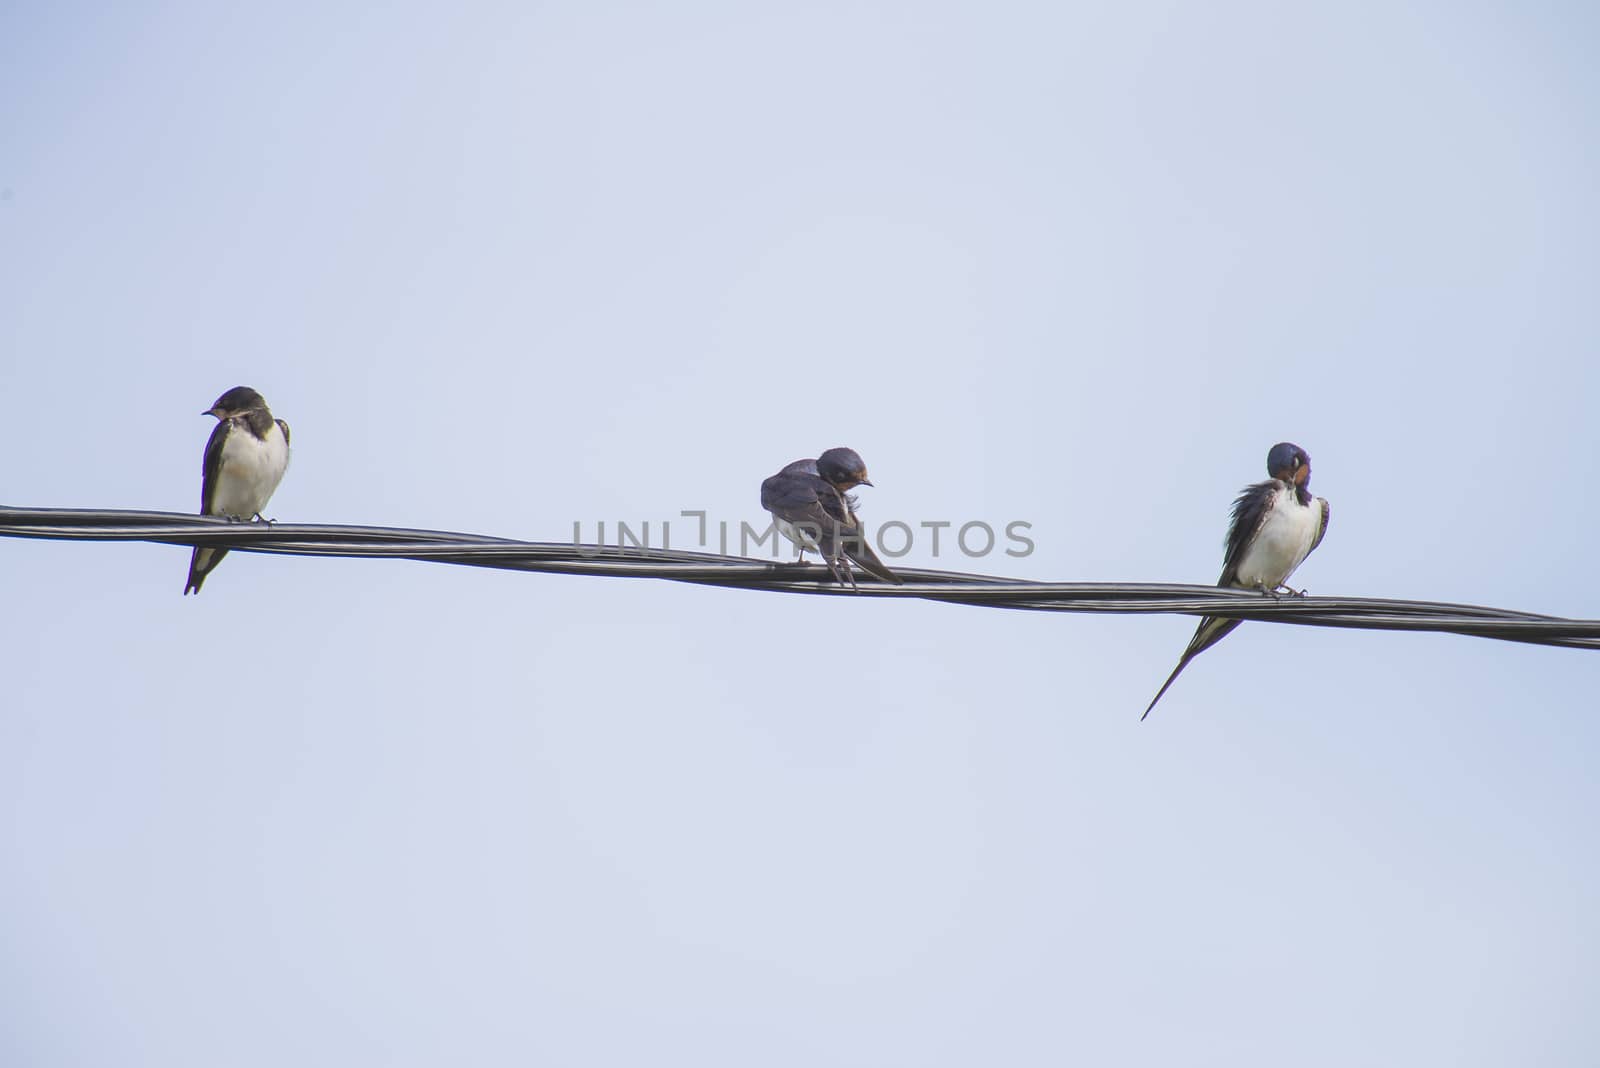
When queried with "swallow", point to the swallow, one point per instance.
{"points": [[1276, 524], [811, 504], [244, 462]]}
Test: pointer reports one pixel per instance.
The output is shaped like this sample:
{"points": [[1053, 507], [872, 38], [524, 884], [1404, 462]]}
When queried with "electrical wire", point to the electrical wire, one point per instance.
{"points": [[711, 569]]}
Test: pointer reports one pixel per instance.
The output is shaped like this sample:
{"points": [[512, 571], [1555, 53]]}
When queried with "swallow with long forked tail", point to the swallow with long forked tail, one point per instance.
{"points": [[811, 505], [1276, 524], [245, 460]]}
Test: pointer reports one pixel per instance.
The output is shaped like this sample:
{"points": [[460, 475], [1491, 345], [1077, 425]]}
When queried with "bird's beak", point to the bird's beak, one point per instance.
{"points": [[209, 411], [865, 482]]}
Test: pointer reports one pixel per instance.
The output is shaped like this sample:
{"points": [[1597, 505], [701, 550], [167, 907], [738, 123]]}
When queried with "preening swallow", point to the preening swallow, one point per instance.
{"points": [[811, 504], [244, 462], [1276, 524]]}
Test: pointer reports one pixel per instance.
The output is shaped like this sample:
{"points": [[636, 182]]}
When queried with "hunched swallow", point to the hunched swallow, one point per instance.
{"points": [[811, 505], [244, 462], [1275, 526]]}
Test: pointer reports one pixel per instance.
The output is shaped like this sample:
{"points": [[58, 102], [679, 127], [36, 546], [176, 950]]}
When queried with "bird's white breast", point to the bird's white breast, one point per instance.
{"points": [[1283, 542], [251, 469], [796, 537]]}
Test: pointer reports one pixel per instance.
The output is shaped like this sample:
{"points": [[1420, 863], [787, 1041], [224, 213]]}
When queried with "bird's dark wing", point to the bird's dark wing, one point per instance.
{"points": [[804, 500], [203, 561], [1250, 510], [1323, 529], [211, 466]]}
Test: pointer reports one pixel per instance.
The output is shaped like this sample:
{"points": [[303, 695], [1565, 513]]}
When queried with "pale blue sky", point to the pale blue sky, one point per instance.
{"points": [[504, 268]]}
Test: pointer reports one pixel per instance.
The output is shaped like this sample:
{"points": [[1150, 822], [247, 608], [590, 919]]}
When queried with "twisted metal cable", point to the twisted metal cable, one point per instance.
{"points": [[711, 569]]}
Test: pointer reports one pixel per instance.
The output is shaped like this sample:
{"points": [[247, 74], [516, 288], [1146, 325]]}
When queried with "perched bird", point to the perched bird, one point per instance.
{"points": [[245, 460], [811, 505], [1275, 526]]}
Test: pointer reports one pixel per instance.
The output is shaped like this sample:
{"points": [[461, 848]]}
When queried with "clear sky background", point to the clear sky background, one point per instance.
{"points": [[504, 268]]}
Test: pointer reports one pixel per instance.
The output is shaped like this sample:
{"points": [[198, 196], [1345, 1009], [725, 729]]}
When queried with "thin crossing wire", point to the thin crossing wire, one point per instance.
{"points": [[711, 569]]}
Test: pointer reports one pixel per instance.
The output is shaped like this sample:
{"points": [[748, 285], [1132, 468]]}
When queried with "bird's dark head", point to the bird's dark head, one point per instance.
{"points": [[843, 468], [1290, 463], [236, 401]]}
